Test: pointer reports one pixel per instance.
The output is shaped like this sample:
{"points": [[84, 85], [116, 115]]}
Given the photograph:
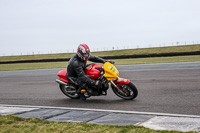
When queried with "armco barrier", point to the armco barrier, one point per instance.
{"points": [[109, 57], [153, 55]]}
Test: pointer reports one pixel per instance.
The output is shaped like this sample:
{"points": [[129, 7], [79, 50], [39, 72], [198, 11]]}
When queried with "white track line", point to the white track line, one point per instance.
{"points": [[103, 110]]}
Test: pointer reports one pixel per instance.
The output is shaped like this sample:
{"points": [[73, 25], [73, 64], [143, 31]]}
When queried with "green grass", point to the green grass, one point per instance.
{"points": [[158, 60], [185, 48], [47, 65], [15, 124]]}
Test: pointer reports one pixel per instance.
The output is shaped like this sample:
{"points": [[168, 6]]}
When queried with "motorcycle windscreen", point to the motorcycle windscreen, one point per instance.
{"points": [[111, 71]]}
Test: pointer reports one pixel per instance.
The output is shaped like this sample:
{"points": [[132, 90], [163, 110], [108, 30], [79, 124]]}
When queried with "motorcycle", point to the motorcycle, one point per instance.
{"points": [[107, 74]]}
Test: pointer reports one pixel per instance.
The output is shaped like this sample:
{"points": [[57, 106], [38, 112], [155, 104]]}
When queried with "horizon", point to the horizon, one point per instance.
{"points": [[49, 26], [102, 50]]}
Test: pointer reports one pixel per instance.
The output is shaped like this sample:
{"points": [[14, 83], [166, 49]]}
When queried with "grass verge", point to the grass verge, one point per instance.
{"points": [[15, 124], [184, 48], [48, 65]]}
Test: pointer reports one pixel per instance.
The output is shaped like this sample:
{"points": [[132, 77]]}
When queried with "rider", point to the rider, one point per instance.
{"points": [[77, 65]]}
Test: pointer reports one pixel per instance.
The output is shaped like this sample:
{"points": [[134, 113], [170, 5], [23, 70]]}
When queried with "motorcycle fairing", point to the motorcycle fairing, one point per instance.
{"points": [[111, 71], [62, 75]]}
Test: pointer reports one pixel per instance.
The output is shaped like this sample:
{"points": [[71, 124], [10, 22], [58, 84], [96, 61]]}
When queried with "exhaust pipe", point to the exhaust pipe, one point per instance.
{"points": [[66, 86], [61, 82]]}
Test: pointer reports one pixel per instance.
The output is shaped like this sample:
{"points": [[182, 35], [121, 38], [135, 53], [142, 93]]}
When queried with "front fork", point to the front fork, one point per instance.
{"points": [[119, 81], [116, 87]]}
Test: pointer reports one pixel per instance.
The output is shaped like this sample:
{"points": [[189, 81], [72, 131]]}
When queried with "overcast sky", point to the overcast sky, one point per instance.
{"points": [[44, 26]]}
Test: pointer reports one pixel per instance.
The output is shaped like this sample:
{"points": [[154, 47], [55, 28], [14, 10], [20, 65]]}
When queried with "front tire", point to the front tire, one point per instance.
{"points": [[129, 91]]}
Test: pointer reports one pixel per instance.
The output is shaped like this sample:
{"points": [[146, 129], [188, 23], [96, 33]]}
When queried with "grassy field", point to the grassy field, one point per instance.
{"points": [[47, 65], [14, 124], [185, 48]]}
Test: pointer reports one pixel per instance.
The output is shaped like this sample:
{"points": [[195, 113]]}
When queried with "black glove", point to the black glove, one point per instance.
{"points": [[98, 83], [112, 62]]}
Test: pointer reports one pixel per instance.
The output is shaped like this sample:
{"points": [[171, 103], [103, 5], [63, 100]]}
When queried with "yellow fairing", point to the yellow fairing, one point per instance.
{"points": [[111, 71]]}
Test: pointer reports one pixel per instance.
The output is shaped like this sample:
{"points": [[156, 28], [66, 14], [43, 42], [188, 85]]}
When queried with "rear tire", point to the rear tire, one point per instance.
{"points": [[130, 91], [72, 95]]}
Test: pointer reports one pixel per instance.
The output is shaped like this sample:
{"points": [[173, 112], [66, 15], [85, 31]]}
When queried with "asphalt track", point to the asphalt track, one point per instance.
{"points": [[163, 88]]}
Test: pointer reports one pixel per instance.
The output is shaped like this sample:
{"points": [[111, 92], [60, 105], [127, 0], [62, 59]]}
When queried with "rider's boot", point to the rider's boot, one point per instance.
{"points": [[81, 93]]}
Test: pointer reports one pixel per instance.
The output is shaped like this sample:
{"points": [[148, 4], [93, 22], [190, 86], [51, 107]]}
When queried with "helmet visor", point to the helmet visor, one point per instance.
{"points": [[86, 55]]}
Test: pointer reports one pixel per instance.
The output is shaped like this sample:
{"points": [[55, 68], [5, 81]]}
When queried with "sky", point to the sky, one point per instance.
{"points": [[59, 26]]}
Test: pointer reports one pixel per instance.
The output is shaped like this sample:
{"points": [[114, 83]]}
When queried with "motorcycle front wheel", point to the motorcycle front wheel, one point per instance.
{"points": [[129, 91]]}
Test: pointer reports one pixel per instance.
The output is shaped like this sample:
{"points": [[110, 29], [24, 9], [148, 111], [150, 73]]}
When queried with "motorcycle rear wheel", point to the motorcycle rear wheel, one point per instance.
{"points": [[130, 91], [72, 95]]}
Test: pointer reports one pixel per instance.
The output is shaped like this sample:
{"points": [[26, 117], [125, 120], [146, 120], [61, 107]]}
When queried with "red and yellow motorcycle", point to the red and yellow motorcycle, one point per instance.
{"points": [[107, 74]]}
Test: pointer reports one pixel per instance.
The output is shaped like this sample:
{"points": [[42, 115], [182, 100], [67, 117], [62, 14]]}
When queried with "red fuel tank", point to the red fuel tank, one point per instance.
{"points": [[92, 71]]}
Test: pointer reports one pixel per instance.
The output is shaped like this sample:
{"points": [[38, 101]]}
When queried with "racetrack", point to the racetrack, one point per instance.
{"points": [[163, 88]]}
